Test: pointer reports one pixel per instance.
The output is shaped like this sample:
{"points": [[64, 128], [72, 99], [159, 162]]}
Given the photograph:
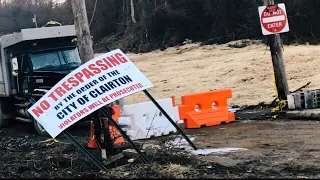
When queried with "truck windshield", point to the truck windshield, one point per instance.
{"points": [[56, 60]]}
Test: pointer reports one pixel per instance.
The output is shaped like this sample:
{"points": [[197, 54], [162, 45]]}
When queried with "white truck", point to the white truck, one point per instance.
{"points": [[31, 62]]}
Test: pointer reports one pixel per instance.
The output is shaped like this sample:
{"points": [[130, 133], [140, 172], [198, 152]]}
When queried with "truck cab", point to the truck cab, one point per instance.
{"points": [[32, 62], [40, 68]]}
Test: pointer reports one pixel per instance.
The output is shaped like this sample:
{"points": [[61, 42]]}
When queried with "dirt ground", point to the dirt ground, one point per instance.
{"points": [[276, 148]]}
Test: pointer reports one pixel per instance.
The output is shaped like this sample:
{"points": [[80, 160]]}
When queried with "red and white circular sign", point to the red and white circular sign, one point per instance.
{"points": [[273, 20]]}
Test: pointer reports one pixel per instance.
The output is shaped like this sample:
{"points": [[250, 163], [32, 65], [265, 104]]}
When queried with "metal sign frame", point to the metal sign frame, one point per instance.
{"points": [[125, 136]]}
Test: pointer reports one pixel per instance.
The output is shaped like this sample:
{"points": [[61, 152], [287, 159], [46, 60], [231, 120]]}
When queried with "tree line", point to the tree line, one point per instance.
{"points": [[145, 25]]}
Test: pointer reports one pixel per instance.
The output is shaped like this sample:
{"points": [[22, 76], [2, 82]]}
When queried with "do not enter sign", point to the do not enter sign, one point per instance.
{"points": [[273, 19]]}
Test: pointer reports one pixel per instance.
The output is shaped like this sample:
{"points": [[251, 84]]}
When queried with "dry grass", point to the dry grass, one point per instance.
{"points": [[176, 171], [247, 71]]}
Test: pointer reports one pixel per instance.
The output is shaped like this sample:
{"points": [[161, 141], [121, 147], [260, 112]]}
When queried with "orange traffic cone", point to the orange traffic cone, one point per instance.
{"points": [[92, 142]]}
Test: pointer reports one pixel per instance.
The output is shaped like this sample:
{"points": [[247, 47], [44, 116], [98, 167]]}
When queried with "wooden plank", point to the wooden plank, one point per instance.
{"points": [[305, 114], [113, 158]]}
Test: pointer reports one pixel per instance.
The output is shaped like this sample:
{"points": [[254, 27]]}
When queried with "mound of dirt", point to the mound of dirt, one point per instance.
{"points": [[243, 66]]}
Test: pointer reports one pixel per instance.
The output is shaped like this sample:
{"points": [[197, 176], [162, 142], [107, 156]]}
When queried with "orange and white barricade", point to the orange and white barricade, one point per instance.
{"points": [[206, 108]]}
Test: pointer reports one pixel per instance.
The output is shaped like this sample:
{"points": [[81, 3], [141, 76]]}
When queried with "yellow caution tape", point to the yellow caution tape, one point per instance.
{"points": [[302, 177], [74, 40], [275, 86], [50, 141], [280, 106]]}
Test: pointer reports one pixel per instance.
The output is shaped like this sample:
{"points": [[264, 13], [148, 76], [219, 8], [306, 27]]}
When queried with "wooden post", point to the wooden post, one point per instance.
{"points": [[274, 41], [82, 30]]}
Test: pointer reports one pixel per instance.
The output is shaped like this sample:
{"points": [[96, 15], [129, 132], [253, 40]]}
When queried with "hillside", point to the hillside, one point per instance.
{"points": [[247, 71]]}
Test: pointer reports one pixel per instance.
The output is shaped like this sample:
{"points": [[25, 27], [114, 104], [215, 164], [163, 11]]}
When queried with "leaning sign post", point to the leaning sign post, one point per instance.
{"points": [[273, 20], [88, 88]]}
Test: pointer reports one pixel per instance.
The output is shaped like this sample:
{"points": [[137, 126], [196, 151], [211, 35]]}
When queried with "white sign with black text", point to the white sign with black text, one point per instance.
{"points": [[93, 85]]}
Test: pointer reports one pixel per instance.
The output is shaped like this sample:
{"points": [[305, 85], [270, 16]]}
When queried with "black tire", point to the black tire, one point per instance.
{"points": [[3, 122], [40, 130], [37, 126]]}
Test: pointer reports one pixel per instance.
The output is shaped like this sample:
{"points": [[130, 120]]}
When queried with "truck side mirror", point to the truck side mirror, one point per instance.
{"points": [[15, 67]]}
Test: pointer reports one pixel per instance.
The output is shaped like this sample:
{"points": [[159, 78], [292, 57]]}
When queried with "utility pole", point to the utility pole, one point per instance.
{"points": [[82, 30], [274, 41]]}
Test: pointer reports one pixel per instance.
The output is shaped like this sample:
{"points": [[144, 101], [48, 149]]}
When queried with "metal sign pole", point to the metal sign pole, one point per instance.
{"points": [[79, 146], [84, 151], [124, 135], [170, 119]]}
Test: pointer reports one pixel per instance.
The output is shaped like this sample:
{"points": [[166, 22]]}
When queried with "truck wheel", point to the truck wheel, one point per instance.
{"points": [[3, 122], [40, 130]]}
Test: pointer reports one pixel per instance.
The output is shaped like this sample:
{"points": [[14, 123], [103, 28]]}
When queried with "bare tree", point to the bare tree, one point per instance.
{"points": [[82, 29], [133, 18]]}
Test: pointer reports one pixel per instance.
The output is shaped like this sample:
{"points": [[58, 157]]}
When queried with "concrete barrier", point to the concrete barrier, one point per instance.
{"points": [[147, 121]]}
